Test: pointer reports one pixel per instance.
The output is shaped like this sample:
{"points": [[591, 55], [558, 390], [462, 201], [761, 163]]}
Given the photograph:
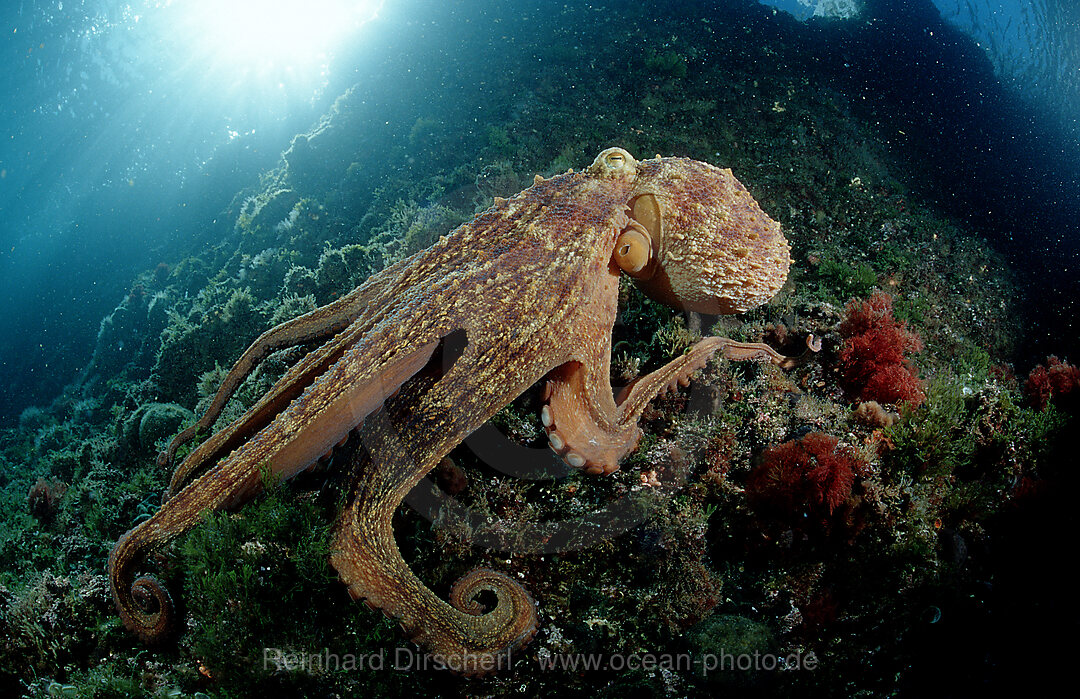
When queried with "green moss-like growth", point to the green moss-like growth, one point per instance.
{"points": [[52, 437], [263, 272], [216, 331], [290, 308], [332, 276], [261, 579], [33, 419], [846, 280], [499, 140], [50, 622], [300, 282], [234, 564], [152, 422], [411, 226], [191, 275], [936, 438], [669, 63], [266, 210], [727, 645], [425, 130]]}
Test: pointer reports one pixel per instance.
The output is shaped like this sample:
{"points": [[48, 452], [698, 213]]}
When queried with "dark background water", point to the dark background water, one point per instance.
{"points": [[119, 148], [992, 159]]}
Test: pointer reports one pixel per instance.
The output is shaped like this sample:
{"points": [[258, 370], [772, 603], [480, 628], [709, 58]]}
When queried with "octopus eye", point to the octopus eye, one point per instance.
{"points": [[613, 162], [633, 250]]}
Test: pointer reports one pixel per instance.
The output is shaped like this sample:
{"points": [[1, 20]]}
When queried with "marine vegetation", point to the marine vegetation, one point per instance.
{"points": [[806, 482], [874, 363], [1055, 382]]}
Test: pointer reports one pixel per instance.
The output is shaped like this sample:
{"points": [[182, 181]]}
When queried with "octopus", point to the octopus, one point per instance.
{"points": [[425, 351]]}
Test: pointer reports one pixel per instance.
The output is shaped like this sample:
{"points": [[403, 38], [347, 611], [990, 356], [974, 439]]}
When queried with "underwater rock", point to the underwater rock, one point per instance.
{"points": [[732, 648], [120, 336], [320, 158]]}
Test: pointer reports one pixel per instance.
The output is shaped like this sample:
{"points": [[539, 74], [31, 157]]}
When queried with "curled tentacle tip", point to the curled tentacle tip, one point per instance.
{"points": [[813, 346], [149, 612], [513, 604]]}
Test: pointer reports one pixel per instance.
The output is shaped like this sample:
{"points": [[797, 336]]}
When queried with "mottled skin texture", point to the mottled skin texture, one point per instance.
{"points": [[427, 350]]}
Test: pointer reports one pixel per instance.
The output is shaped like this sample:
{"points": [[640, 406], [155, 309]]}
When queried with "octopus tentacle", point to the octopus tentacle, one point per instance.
{"points": [[633, 398], [153, 617], [589, 429], [351, 390], [319, 324], [401, 442], [581, 425], [289, 387], [145, 606], [591, 436], [460, 632]]}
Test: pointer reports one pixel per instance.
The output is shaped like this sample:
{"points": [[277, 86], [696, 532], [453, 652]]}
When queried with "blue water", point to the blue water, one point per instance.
{"points": [[129, 126]]}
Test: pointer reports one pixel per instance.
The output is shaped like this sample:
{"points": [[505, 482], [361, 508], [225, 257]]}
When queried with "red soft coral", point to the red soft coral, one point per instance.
{"points": [[804, 480], [873, 360], [1055, 382]]}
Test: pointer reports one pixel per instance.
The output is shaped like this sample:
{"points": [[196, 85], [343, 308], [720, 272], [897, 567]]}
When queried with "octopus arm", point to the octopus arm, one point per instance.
{"points": [[593, 432], [286, 446], [342, 317], [402, 441], [460, 631]]}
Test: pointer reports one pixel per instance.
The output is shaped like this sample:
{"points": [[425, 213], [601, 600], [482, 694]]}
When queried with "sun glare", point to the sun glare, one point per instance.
{"points": [[272, 39]]}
